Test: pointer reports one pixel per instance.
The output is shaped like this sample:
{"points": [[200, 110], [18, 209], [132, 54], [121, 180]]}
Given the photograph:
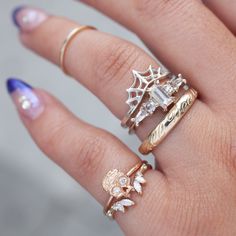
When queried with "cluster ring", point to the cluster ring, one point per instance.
{"points": [[120, 186]]}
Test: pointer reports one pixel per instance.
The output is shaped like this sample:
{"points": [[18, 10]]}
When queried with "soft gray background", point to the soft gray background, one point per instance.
{"points": [[36, 196]]}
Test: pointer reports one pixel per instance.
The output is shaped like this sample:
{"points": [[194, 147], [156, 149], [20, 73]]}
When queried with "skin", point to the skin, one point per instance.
{"points": [[193, 191]]}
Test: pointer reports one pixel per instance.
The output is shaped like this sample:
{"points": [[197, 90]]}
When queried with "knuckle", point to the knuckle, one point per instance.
{"points": [[117, 59], [151, 8], [90, 155], [148, 7]]}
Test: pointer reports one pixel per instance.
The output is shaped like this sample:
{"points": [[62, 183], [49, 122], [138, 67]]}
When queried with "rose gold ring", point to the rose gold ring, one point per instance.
{"points": [[67, 42], [120, 186], [169, 122]]}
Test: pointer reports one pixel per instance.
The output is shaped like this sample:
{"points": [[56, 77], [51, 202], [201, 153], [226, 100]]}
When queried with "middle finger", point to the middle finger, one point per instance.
{"points": [[186, 36]]}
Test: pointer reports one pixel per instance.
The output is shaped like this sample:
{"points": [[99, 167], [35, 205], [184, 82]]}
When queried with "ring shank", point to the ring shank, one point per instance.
{"points": [[67, 42]]}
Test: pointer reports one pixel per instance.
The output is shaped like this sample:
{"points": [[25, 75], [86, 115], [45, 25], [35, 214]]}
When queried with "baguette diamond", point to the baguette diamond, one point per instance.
{"points": [[159, 95]]}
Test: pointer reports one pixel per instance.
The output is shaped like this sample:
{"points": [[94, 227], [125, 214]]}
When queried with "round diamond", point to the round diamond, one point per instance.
{"points": [[123, 181], [169, 89], [150, 106], [116, 191]]}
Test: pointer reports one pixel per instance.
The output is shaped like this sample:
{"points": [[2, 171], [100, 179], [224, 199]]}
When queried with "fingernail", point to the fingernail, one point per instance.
{"points": [[28, 103], [27, 19]]}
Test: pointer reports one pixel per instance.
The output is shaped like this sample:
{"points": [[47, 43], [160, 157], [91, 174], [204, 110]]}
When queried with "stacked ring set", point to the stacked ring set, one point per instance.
{"points": [[153, 91]]}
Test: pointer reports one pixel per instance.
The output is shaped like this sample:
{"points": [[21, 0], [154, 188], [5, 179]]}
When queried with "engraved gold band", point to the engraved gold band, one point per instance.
{"points": [[169, 122], [127, 183], [67, 42]]}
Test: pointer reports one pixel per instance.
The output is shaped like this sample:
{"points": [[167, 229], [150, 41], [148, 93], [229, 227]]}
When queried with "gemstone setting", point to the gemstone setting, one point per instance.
{"points": [[160, 95], [123, 181]]}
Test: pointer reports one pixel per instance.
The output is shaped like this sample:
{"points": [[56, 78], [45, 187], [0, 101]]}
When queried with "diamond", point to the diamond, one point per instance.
{"points": [[177, 81], [118, 207], [160, 96], [140, 179], [142, 114], [137, 187], [123, 181], [168, 89], [150, 106], [116, 191], [109, 214], [126, 202]]}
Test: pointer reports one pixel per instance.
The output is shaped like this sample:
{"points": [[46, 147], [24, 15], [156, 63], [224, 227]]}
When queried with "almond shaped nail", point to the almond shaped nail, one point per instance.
{"points": [[24, 97], [27, 19]]}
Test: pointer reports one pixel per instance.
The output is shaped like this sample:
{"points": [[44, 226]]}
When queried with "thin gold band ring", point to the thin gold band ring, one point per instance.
{"points": [[67, 42]]}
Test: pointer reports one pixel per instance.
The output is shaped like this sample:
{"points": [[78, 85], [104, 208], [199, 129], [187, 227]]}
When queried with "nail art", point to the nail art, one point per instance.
{"points": [[24, 97], [27, 19], [15, 13]]}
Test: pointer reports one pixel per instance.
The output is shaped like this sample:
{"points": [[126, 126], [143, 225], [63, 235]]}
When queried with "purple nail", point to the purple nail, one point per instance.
{"points": [[27, 19], [15, 13], [25, 98]]}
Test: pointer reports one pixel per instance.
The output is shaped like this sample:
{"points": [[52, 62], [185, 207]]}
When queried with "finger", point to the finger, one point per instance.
{"points": [[186, 37], [103, 63], [94, 47], [225, 10], [85, 152]]}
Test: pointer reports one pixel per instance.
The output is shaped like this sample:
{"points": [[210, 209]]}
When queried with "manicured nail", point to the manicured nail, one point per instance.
{"points": [[28, 103], [27, 19]]}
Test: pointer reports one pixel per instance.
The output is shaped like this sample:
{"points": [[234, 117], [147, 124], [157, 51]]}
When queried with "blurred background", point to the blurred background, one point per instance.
{"points": [[37, 197]]}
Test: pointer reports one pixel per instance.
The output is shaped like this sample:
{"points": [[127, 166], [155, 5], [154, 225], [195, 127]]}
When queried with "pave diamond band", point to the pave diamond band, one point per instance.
{"points": [[151, 89], [120, 187]]}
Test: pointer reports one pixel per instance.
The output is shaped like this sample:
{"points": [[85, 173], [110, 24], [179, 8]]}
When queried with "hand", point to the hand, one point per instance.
{"points": [[193, 191]]}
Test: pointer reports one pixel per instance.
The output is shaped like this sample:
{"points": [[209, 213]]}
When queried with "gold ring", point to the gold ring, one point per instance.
{"points": [[67, 41], [169, 122], [120, 186]]}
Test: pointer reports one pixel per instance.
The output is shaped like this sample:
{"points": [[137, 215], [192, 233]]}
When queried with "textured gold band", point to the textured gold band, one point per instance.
{"points": [[169, 122], [67, 41]]}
